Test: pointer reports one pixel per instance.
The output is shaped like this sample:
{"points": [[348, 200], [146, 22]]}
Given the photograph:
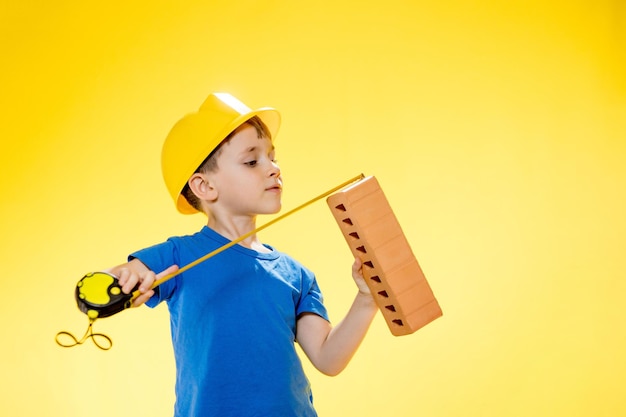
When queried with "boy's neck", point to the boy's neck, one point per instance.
{"points": [[236, 228]]}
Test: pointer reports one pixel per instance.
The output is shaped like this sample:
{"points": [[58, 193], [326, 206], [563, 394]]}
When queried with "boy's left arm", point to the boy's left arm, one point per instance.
{"points": [[330, 348]]}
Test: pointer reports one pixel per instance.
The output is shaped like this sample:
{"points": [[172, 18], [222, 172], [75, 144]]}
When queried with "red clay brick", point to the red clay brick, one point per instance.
{"points": [[390, 268]]}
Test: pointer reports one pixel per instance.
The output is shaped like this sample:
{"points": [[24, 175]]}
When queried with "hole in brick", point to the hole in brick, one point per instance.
{"points": [[383, 293], [354, 235], [368, 263], [341, 207], [391, 308], [398, 322], [361, 249], [376, 278], [347, 221]]}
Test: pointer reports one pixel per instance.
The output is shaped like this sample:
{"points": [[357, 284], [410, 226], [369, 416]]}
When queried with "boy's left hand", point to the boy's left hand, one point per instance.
{"points": [[357, 275]]}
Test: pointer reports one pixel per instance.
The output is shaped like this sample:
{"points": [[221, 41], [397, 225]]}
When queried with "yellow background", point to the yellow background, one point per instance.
{"points": [[496, 128]]}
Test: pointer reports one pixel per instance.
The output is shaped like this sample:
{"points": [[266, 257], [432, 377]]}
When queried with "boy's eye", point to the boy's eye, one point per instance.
{"points": [[250, 163]]}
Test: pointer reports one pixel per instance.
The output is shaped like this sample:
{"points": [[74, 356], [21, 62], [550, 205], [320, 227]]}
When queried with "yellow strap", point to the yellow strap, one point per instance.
{"points": [[105, 344]]}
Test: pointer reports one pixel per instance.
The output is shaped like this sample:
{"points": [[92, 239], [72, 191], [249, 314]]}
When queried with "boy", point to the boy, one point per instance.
{"points": [[235, 317]]}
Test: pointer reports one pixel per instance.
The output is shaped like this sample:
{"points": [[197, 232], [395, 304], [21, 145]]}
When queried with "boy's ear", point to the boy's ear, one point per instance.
{"points": [[202, 187]]}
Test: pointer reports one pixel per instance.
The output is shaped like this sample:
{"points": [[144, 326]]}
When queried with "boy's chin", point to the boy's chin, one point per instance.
{"points": [[271, 210]]}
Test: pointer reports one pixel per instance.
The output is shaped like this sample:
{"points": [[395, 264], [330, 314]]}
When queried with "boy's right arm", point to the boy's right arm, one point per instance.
{"points": [[135, 272]]}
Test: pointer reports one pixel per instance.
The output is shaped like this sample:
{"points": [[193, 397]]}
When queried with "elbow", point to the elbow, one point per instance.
{"points": [[331, 364], [331, 370], [333, 373]]}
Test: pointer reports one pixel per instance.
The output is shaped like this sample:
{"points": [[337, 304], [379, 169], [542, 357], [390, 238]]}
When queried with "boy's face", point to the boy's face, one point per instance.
{"points": [[247, 179]]}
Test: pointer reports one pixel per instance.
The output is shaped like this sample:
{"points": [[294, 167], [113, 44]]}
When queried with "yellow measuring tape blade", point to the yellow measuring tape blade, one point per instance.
{"points": [[247, 235]]}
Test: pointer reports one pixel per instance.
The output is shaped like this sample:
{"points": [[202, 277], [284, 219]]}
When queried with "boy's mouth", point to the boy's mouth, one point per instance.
{"points": [[275, 187]]}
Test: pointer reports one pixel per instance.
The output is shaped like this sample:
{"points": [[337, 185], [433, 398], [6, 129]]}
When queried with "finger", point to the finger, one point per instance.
{"points": [[131, 282], [143, 298], [167, 272], [145, 289], [122, 276], [147, 281], [150, 278], [164, 274], [357, 267]]}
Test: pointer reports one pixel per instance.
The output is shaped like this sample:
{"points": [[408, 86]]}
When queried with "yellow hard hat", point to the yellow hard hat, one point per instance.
{"points": [[196, 135]]}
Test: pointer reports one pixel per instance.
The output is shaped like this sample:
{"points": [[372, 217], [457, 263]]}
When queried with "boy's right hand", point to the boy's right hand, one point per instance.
{"points": [[135, 273]]}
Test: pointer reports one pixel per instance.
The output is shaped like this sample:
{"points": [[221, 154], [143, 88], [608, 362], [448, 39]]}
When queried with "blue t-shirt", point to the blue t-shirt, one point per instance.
{"points": [[233, 324]]}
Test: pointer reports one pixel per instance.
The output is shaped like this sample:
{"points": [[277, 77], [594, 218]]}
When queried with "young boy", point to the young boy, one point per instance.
{"points": [[235, 317]]}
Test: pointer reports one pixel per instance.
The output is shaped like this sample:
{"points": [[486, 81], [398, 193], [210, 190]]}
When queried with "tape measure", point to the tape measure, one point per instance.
{"points": [[99, 295]]}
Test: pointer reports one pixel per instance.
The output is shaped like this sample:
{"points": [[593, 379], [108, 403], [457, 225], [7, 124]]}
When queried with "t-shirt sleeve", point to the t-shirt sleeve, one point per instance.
{"points": [[158, 258], [311, 298]]}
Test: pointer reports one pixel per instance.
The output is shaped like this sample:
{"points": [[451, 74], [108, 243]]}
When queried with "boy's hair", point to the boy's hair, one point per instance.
{"points": [[210, 163]]}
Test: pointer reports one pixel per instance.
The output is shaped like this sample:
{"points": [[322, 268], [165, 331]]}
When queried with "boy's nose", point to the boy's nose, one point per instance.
{"points": [[274, 169]]}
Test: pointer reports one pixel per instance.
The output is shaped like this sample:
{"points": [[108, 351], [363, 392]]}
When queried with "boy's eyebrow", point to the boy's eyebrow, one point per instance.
{"points": [[250, 149], [254, 148]]}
